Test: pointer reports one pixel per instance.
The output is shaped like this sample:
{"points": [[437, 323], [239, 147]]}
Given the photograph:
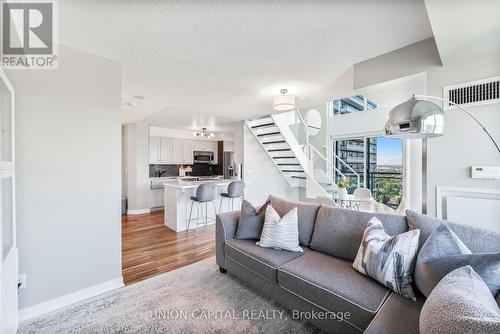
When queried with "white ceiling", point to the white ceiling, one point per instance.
{"points": [[227, 59], [464, 28]]}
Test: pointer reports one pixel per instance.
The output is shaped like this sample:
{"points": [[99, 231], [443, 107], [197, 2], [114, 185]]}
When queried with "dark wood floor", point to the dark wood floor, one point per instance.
{"points": [[150, 248]]}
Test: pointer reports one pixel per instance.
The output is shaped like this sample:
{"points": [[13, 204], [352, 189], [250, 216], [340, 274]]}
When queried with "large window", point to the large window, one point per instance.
{"points": [[378, 161]]}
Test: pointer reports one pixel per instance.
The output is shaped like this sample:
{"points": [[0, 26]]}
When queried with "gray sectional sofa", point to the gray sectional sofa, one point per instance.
{"points": [[322, 279]]}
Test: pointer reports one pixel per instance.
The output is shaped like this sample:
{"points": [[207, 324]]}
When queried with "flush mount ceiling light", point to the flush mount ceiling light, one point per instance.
{"points": [[284, 102], [204, 133]]}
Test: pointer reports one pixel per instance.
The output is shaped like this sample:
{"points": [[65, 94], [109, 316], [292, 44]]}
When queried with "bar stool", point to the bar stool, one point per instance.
{"points": [[205, 193], [235, 189]]}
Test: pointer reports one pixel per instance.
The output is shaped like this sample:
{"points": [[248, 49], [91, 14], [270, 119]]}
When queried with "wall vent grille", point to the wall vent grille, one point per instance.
{"points": [[480, 92]]}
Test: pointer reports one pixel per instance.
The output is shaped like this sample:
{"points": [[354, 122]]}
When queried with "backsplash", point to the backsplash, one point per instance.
{"points": [[173, 170]]}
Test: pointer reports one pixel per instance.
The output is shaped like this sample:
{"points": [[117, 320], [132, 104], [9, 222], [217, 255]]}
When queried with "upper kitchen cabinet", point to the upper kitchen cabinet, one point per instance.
{"points": [[188, 157], [169, 150], [228, 146], [177, 150], [154, 149], [166, 150]]}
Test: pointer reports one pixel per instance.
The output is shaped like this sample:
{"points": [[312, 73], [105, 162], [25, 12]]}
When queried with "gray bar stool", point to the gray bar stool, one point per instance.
{"points": [[205, 193], [235, 189]]}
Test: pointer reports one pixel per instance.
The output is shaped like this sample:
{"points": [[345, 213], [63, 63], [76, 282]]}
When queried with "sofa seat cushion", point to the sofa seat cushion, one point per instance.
{"points": [[262, 261], [334, 285], [398, 315]]}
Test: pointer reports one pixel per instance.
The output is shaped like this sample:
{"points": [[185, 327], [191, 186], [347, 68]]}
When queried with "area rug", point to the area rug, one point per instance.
{"points": [[192, 299]]}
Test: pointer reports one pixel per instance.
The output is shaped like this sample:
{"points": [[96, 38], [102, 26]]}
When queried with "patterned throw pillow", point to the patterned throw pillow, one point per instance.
{"points": [[388, 259], [280, 233]]}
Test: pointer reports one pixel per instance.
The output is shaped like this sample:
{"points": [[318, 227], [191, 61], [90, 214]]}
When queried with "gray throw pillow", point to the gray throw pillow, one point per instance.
{"points": [[251, 221], [460, 304], [444, 252]]}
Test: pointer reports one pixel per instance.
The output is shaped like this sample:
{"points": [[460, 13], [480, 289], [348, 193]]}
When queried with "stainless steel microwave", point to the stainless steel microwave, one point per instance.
{"points": [[203, 157]]}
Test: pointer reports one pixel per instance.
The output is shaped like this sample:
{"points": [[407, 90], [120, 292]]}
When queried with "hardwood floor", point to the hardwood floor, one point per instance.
{"points": [[150, 248]]}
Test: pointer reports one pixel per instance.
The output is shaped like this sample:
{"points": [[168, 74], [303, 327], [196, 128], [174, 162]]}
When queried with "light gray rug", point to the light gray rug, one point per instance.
{"points": [[193, 299]]}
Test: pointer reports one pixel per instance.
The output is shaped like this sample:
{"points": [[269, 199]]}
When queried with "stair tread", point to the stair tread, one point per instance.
{"points": [[298, 177], [288, 164], [263, 125], [292, 171], [274, 142], [279, 149], [284, 158], [268, 134]]}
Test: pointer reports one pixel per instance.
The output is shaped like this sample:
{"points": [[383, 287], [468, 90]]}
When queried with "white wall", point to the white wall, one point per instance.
{"points": [[464, 143], [261, 175], [68, 175], [136, 169]]}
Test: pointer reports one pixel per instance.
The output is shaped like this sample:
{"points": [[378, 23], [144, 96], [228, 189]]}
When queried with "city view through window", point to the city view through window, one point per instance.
{"points": [[377, 160], [379, 163]]}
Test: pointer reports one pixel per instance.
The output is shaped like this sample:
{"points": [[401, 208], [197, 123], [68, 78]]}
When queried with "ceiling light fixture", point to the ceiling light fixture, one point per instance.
{"points": [[284, 102], [204, 133]]}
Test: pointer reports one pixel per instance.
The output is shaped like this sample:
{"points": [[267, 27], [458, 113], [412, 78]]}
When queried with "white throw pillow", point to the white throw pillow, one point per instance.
{"points": [[388, 259], [280, 233]]}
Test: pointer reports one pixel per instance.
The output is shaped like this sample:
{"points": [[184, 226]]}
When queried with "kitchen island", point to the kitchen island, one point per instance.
{"points": [[178, 203]]}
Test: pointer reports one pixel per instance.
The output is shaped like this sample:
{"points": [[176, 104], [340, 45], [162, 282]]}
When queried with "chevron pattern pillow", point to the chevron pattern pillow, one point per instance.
{"points": [[388, 259], [280, 232]]}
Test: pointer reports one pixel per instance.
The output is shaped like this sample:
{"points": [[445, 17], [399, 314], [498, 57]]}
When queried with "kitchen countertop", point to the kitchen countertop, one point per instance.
{"points": [[185, 177], [195, 184], [158, 182]]}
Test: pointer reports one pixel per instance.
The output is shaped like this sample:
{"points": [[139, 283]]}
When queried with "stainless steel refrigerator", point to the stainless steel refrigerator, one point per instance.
{"points": [[228, 165]]}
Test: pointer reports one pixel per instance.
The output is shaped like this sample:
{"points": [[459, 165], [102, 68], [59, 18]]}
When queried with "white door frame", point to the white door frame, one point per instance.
{"points": [[9, 261]]}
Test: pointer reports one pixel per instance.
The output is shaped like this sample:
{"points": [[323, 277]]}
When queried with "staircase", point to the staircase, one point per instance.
{"points": [[292, 154], [273, 141]]}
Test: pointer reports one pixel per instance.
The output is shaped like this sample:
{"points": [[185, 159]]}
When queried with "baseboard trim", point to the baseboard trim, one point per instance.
{"points": [[71, 298], [138, 211]]}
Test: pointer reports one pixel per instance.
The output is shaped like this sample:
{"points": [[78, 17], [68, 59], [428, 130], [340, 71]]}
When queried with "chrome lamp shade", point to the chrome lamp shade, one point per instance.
{"points": [[415, 119]]}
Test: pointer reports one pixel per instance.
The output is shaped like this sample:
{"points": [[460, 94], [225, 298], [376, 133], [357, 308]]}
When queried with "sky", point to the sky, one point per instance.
{"points": [[389, 151]]}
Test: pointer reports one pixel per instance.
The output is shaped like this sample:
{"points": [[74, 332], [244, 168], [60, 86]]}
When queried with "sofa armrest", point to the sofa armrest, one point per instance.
{"points": [[225, 229]]}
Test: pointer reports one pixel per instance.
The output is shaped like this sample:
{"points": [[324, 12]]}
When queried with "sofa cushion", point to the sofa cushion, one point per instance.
{"points": [[398, 315], [461, 303], [262, 261], [338, 232], [478, 240], [334, 285], [251, 221], [444, 252], [306, 212]]}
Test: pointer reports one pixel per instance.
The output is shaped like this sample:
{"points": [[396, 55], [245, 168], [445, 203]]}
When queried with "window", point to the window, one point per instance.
{"points": [[378, 161], [352, 104]]}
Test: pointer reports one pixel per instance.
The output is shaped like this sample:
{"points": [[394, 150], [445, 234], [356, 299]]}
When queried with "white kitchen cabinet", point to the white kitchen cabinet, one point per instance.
{"points": [[188, 149], [177, 150], [156, 198], [228, 146], [154, 149], [166, 149]]}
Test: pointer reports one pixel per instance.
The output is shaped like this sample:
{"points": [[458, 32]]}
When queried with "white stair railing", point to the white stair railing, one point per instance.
{"points": [[334, 157]]}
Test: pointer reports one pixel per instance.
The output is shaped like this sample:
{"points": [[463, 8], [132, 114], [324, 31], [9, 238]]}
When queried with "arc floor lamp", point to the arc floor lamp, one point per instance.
{"points": [[419, 118]]}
